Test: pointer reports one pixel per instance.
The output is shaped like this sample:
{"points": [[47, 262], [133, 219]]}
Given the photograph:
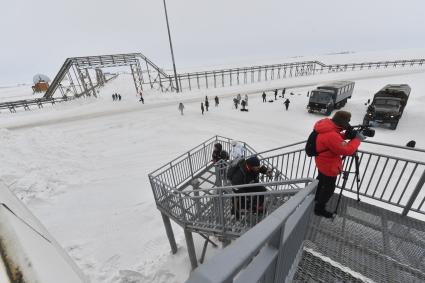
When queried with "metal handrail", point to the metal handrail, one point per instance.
{"points": [[386, 178], [270, 251], [394, 180]]}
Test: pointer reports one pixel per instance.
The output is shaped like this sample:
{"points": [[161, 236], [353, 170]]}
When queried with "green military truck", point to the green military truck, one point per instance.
{"points": [[388, 105]]}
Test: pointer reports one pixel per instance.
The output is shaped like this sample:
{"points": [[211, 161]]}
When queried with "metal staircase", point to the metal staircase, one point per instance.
{"points": [[376, 239]]}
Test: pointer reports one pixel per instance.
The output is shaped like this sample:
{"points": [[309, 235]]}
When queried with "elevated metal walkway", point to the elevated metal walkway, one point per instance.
{"points": [[145, 72], [81, 76], [376, 239], [28, 103]]}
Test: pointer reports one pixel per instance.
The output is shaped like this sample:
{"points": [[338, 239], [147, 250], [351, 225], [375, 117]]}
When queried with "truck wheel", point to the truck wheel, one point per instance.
{"points": [[393, 125], [344, 102], [329, 110], [310, 111]]}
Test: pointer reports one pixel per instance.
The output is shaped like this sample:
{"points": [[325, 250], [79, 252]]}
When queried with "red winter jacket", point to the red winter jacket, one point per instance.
{"points": [[330, 145]]}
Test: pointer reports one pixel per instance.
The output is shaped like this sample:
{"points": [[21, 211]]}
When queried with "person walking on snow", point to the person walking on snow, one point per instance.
{"points": [[287, 104], [238, 97], [207, 104], [235, 102], [181, 107], [141, 98], [216, 101], [202, 108], [264, 97], [243, 104], [283, 92], [246, 100], [275, 94]]}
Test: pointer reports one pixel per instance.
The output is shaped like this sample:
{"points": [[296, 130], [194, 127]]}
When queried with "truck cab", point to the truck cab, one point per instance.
{"points": [[387, 106], [320, 100]]}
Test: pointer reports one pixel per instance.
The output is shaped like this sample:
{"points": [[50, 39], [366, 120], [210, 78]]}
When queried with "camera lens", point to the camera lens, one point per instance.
{"points": [[368, 132]]}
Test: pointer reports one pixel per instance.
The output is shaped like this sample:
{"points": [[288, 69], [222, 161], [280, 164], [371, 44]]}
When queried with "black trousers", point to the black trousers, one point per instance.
{"points": [[325, 190]]}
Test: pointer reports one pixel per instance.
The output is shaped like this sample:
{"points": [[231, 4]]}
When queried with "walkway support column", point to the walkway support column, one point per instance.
{"points": [[191, 248], [169, 231]]}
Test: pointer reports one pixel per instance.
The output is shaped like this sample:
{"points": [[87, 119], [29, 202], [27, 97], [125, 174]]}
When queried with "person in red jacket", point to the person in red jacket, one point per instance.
{"points": [[331, 145]]}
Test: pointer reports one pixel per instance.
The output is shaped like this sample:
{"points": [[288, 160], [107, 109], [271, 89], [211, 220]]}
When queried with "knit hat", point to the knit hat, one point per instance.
{"points": [[218, 146], [342, 118], [253, 161]]}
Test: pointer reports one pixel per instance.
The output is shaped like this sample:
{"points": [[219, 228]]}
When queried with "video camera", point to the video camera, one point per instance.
{"points": [[365, 130]]}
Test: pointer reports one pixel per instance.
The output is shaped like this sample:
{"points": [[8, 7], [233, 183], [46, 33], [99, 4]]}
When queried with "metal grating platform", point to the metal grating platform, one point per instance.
{"points": [[314, 269], [375, 242]]}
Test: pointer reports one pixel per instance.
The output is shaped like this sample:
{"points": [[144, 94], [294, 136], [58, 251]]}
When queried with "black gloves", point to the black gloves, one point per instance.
{"points": [[350, 134]]}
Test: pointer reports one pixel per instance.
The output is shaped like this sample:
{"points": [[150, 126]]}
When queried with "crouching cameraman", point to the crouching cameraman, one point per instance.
{"points": [[331, 146]]}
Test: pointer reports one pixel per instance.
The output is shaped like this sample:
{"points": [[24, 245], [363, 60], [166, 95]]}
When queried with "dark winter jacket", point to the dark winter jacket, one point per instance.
{"points": [[219, 153], [241, 174], [330, 145]]}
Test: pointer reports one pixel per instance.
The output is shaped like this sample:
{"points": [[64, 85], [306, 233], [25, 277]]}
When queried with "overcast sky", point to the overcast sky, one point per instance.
{"points": [[37, 36]]}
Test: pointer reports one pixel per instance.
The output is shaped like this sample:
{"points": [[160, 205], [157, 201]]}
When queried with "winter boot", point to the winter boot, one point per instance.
{"points": [[320, 210]]}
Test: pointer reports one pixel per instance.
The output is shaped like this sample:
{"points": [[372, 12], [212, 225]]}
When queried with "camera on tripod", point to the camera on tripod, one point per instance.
{"points": [[363, 129]]}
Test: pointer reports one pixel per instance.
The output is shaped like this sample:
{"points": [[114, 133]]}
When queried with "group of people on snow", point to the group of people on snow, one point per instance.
{"points": [[236, 101], [207, 104], [286, 102], [116, 96], [243, 102]]}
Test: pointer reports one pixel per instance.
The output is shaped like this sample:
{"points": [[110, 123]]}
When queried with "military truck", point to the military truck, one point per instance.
{"points": [[328, 97], [388, 105]]}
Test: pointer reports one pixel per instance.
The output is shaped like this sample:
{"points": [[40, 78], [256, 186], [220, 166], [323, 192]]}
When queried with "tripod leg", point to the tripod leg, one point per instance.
{"points": [[345, 177], [344, 183], [357, 175]]}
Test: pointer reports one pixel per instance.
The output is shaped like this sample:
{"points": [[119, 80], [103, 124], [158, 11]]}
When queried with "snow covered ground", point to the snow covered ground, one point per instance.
{"points": [[82, 166]]}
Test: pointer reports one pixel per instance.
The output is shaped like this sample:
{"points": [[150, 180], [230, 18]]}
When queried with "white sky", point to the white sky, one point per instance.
{"points": [[37, 36]]}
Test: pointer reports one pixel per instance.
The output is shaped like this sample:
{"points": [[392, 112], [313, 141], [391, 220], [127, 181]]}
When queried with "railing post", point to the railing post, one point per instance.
{"points": [[414, 195], [221, 210], [190, 164], [169, 231], [195, 184], [172, 173], [205, 154]]}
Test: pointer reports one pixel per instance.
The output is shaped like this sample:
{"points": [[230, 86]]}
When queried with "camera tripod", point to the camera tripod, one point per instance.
{"points": [[345, 174]]}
